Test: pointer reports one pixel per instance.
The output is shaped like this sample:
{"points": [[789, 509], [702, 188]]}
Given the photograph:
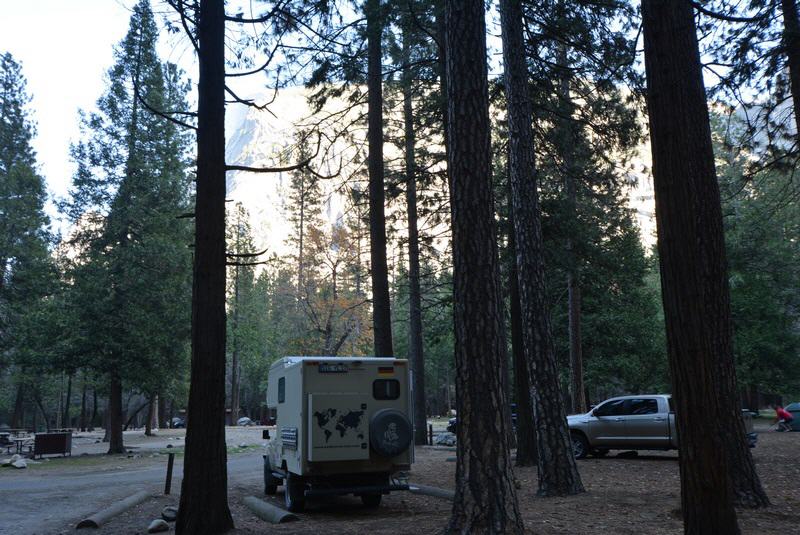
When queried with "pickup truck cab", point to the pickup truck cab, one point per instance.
{"points": [[644, 422]]}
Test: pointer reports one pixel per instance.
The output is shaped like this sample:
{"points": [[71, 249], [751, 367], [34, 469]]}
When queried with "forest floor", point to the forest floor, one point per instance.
{"points": [[625, 495]]}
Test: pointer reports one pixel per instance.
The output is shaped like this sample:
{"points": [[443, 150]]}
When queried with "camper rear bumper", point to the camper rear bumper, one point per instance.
{"points": [[357, 490]]}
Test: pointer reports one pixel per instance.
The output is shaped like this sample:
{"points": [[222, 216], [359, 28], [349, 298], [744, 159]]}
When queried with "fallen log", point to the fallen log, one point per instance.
{"points": [[267, 511], [436, 492], [103, 516]]}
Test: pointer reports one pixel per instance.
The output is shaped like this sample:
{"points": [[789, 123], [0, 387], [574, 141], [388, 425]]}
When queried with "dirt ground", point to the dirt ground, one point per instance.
{"points": [[624, 496]]}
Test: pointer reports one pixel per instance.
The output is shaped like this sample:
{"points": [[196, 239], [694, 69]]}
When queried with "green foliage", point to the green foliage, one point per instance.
{"points": [[131, 278], [762, 222], [28, 276], [436, 287]]}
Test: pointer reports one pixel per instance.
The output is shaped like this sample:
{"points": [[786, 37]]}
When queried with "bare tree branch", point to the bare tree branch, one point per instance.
{"points": [[246, 255]]}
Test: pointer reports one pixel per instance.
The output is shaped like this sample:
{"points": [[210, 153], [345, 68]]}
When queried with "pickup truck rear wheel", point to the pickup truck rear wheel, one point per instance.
{"points": [[294, 493], [580, 446]]}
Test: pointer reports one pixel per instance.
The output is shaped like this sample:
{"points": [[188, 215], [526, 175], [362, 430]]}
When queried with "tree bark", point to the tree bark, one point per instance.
{"points": [[569, 137], [442, 68], [67, 399], [93, 423], [415, 347], [148, 424], [485, 497], [133, 415], [18, 417], [526, 432], [791, 44], [693, 270], [235, 352], [83, 404], [115, 416], [38, 399], [381, 314], [204, 491], [162, 412], [558, 473]]}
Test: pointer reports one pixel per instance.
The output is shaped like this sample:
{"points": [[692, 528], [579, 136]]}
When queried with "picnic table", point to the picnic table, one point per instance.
{"points": [[5, 441], [23, 441]]}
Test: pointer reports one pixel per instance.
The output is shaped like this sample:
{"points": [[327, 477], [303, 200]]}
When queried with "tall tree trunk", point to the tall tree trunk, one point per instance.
{"points": [[485, 497], [38, 399], [442, 73], [415, 348], [204, 491], [83, 403], [94, 421], [381, 315], [791, 43], [569, 137], [577, 388], [148, 424], [65, 420], [301, 235], [18, 417], [131, 416], [526, 432], [558, 473], [106, 426], [60, 409], [162, 412], [235, 352], [692, 258], [115, 416], [154, 421]]}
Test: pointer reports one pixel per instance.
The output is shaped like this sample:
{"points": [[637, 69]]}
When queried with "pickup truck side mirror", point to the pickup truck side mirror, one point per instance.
{"points": [[265, 434]]}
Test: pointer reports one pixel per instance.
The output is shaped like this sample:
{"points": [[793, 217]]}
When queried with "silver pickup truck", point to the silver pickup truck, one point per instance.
{"points": [[645, 422]]}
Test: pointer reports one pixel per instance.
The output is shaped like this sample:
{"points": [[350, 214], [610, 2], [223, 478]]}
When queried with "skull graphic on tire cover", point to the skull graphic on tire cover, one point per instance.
{"points": [[389, 432]]}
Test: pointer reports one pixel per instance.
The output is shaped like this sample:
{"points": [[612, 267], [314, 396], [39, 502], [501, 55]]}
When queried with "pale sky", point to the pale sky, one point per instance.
{"points": [[65, 47]]}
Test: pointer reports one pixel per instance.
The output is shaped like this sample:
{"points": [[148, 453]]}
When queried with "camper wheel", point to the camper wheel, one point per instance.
{"points": [[270, 481], [294, 493], [371, 500]]}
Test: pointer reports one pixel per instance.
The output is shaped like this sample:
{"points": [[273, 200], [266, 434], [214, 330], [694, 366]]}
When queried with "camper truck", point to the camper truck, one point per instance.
{"points": [[342, 427]]}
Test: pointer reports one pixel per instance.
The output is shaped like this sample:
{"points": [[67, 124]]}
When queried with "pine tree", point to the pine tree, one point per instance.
{"points": [[692, 256], [240, 282], [129, 188], [558, 474], [204, 489], [27, 274], [485, 499]]}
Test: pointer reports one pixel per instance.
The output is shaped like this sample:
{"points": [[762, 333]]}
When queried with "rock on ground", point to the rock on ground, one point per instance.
{"points": [[12, 460], [445, 439], [20, 463], [169, 513], [157, 526]]}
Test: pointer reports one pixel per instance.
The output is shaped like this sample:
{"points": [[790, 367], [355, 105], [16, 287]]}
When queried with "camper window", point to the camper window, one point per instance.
{"points": [[281, 389], [386, 389]]}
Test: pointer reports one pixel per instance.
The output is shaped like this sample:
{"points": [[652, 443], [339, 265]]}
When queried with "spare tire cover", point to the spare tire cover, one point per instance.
{"points": [[389, 432]]}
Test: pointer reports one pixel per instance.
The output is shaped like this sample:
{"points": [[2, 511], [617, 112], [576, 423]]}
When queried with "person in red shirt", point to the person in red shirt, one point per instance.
{"points": [[784, 418]]}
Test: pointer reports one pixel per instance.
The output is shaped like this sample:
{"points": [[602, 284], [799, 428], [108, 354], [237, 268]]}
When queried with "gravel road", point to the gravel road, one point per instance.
{"points": [[42, 503]]}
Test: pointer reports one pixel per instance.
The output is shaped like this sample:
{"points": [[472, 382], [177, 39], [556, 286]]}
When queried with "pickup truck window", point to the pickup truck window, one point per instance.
{"points": [[643, 406], [611, 408]]}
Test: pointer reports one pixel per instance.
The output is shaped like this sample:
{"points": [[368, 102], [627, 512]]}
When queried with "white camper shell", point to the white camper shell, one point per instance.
{"points": [[342, 427]]}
